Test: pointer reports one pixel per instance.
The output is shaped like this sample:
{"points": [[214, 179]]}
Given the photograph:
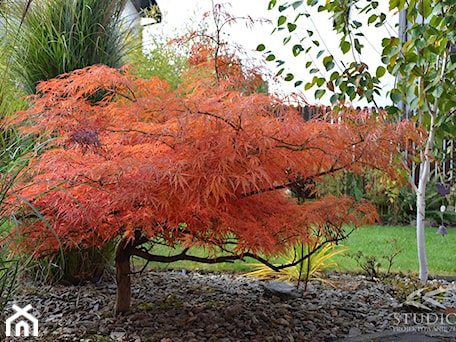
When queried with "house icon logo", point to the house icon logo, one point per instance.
{"points": [[22, 320]]}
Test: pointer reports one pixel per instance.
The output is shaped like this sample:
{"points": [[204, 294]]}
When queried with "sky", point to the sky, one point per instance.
{"points": [[180, 16]]}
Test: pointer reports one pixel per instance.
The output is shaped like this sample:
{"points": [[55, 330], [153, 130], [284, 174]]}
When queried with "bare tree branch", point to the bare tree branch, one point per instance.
{"points": [[143, 253]]}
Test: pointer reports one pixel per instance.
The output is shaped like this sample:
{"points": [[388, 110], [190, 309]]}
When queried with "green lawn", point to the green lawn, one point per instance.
{"points": [[371, 240]]}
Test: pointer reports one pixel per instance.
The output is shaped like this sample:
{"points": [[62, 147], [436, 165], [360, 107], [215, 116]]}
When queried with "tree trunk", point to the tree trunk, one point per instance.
{"points": [[420, 216], [123, 300], [421, 200]]}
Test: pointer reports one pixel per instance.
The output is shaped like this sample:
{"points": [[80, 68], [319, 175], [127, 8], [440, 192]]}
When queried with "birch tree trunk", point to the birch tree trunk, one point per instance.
{"points": [[420, 216], [421, 201]]}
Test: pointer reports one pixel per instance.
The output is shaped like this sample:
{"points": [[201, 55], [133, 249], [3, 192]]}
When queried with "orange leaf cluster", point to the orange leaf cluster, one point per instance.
{"points": [[205, 164]]}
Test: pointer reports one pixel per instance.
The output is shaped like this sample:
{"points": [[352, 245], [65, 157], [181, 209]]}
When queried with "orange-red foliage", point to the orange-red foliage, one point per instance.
{"points": [[197, 165]]}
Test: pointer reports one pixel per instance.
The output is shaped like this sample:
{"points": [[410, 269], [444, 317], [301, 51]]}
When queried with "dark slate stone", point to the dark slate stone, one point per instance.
{"points": [[279, 289]]}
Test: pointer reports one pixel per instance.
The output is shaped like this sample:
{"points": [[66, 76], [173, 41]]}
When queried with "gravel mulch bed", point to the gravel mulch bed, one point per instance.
{"points": [[186, 307]]}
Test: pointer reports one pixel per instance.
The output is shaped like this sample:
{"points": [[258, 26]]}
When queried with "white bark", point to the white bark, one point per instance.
{"points": [[420, 216], [421, 201]]}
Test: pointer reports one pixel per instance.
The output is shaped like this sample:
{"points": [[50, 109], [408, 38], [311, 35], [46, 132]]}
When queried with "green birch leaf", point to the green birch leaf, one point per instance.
{"points": [[261, 47], [380, 72], [291, 27], [297, 49], [345, 46], [289, 77], [395, 97], [319, 93]]}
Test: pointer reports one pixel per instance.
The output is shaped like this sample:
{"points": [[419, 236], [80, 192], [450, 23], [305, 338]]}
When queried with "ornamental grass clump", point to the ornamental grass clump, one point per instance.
{"points": [[311, 267], [14, 164], [57, 37]]}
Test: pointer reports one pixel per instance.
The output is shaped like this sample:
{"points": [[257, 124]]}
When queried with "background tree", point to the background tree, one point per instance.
{"points": [[205, 165], [161, 60], [420, 58]]}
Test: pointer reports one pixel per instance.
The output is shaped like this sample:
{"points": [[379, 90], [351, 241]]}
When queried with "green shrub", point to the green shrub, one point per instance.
{"points": [[371, 264], [159, 59]]}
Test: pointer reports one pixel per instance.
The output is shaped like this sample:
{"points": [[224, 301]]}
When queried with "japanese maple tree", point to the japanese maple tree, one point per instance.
{"points": [[206, 165]]}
